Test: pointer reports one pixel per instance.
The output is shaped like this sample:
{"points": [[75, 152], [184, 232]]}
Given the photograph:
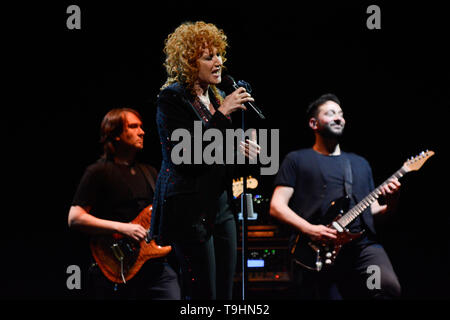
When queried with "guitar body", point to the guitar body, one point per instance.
{"points": [[120, 258], [315, 255]]}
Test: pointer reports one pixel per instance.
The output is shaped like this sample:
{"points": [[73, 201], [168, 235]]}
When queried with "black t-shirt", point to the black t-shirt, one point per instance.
{"points": [[114, 191], [333, 170]]}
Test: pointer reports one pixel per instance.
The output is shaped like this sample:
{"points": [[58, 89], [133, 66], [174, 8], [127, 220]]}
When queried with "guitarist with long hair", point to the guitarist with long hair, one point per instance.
{"points": [[112, 192], [307, 184]]}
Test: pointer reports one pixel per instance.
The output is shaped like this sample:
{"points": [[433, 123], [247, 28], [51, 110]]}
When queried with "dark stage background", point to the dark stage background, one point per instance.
{"points": [[393, 84]]}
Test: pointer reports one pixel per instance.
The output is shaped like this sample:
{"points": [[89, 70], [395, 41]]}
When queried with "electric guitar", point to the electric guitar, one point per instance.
{"points": [[314, 255], [119, 257]]}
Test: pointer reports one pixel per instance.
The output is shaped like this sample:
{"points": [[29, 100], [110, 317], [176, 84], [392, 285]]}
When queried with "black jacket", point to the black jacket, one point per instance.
{"points": [[186, 195]]}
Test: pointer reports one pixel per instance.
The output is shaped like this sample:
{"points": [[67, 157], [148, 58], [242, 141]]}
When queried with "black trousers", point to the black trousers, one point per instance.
{"points": [[361, 271], [208, 268], [156, 280]]}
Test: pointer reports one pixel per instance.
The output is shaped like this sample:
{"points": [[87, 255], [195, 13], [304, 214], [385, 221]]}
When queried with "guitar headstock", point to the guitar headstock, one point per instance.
{"points": [[238, 185], [415, 163]]}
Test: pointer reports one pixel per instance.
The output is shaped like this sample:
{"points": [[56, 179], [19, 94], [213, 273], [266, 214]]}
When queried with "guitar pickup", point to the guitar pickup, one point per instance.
{"points": [[337, 226]]}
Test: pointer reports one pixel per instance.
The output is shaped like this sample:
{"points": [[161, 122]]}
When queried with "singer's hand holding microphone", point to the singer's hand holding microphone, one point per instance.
{"points": [[235, 101], [239, 97]]}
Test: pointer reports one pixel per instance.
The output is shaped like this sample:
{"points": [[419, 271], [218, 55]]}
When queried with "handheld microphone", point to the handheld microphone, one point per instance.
{"points": [[228, 81]]}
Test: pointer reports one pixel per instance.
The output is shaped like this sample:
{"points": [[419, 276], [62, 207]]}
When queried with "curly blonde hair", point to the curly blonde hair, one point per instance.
{"points": [[185, 45]]}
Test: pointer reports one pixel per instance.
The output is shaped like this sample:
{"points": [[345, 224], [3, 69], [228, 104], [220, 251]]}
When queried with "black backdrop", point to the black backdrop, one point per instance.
{"points": [[393, 84]]}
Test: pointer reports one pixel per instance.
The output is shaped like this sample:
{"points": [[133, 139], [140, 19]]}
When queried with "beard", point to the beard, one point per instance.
{"points": [[330, 132]]}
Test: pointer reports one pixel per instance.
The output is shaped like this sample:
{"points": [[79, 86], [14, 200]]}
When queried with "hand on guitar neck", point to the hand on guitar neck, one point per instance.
{"points": [[390, 192]]}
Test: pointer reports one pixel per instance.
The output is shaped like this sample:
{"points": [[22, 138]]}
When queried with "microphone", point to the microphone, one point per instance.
{"points": [[228, 82]]}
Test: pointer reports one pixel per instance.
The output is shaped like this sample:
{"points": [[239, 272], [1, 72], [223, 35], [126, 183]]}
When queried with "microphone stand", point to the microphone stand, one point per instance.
{"points": [[244, 228], [244, 208]]}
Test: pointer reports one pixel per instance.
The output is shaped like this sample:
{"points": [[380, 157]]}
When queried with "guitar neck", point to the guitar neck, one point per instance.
{"points": [[354, 212]]}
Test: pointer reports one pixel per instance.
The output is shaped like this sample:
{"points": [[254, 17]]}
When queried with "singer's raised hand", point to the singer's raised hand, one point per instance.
{"points": [[250, 149], [235, 101]]}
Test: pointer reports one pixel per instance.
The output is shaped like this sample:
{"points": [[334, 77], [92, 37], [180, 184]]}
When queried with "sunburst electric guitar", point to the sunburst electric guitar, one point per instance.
{"points": [[119, 257], [315, 255]]}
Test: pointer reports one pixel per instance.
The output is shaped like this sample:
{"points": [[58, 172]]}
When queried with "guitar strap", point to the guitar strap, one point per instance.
{"points": [[348, 178], [149, 173]]}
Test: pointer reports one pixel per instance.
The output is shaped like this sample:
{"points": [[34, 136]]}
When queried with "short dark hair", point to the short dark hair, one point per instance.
{"points": [[112, 126], [313, 107]]}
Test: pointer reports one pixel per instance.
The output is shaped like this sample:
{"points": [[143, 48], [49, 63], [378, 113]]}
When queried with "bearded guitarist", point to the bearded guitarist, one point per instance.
{"points": [[112, 192], [309, 180]]}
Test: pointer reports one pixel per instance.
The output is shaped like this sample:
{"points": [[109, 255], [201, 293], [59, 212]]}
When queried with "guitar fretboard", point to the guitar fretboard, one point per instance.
{"points": [[368, 200]]}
